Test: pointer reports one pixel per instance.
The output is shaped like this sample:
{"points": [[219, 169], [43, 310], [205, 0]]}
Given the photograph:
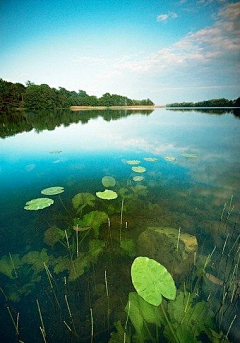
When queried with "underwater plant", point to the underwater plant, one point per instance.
{"points": [[81, 200], [139, 169], [108, 181]]}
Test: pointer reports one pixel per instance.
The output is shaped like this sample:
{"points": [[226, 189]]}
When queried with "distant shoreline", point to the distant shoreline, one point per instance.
{"points": [[84, 108]]}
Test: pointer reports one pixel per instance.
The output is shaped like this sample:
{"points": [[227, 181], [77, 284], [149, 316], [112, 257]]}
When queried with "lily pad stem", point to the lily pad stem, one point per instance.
{"points": [[169, 324]]}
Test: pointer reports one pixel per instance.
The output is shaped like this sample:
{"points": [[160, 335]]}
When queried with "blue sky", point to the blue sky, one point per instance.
{"points": [[165, 50]]}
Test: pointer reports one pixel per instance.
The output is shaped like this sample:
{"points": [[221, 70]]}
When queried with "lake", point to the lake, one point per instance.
{"points": [[161, 184]]}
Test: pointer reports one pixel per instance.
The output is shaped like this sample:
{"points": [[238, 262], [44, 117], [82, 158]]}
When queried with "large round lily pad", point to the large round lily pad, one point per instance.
{"points": [[52, 190], [107, 194], [38, 204], [108, 181], [152, 280], [139, 169]]}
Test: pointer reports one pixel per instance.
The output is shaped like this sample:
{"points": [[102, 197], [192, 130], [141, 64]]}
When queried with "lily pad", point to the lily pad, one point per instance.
{"points": [[55, 151], [132, 162], [108, 181], [170, 158], [150, 159], [190, 155], [152, 280], [138, 178], [38, 204], [52, 190], [107, 194], [139, 169]]}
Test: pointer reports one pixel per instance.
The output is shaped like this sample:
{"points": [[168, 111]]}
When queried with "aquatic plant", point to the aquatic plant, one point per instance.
{"points": [[81, 200], [132, 162], [170, 158], [128, 246], [139, 169], [138, 178], [152, 280], [107, 194], [36, 259], [52, 190], [7, 267], [53, 235], [108, 181], [150, 159], [189, 155], [38, 204], [94, 220]]}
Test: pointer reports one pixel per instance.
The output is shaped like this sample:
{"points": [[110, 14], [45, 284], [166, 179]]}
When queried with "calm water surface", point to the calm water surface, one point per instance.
{"points": [[193, 190]]}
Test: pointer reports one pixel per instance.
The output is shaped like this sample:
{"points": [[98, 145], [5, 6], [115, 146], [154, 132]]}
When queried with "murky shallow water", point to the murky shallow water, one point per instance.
{"points": [[85, 285]]}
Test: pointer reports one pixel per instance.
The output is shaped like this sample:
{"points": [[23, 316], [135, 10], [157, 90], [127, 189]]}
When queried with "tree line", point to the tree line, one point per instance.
{"points": [[44, 97], [208, 103]]}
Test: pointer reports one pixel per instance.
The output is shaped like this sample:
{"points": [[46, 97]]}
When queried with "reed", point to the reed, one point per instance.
{"points": [[70, 253], [70, 315], [50, 279], [107, 293], [42, 327], [16, 324], [92, 332]]}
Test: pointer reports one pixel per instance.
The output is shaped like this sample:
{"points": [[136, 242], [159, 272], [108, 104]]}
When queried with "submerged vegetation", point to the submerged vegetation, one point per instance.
{"points": [[95, 283]]}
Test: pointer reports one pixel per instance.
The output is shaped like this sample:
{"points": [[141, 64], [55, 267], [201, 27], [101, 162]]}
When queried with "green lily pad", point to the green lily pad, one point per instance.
{"points": [[107, 194], [152, 280], [190, 155], [131, 162], [52, 190], [150, 159], [138, 178], [170, 158], [38, 204], [108, 181], [55, 151], [139, 169]]}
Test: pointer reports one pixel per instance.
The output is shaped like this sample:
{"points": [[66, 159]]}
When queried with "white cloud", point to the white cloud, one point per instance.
{"points": [[165, 17]]}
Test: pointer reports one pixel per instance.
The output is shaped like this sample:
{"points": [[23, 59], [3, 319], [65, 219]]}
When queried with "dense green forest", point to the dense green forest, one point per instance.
{"points": [[208, 103], [43, 97]]}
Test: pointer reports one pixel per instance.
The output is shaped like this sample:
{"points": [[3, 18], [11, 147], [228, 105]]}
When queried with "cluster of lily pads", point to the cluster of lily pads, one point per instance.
{"points": [[41, 203], [136, 168]]}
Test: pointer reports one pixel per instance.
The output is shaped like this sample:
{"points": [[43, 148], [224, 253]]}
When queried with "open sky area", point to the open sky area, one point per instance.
{"points": [[165, 50]]}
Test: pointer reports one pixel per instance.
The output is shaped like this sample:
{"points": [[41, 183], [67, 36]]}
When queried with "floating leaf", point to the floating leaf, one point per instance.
{"points": [[132, 162], [108, 181], [170, 158], [190, 155], [55, 151], [152, 280], [38, 204], [138, 178], [107, 194], [52, 190], [139, 169], [150, 159]]}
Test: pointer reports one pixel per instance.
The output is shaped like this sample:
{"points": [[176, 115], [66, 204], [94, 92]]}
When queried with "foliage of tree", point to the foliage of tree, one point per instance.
{"points": [[43, 97], [208, 103]]}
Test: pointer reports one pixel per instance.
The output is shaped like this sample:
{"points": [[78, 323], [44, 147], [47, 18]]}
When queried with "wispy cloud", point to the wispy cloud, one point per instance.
{"points": [[165, 17]]}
